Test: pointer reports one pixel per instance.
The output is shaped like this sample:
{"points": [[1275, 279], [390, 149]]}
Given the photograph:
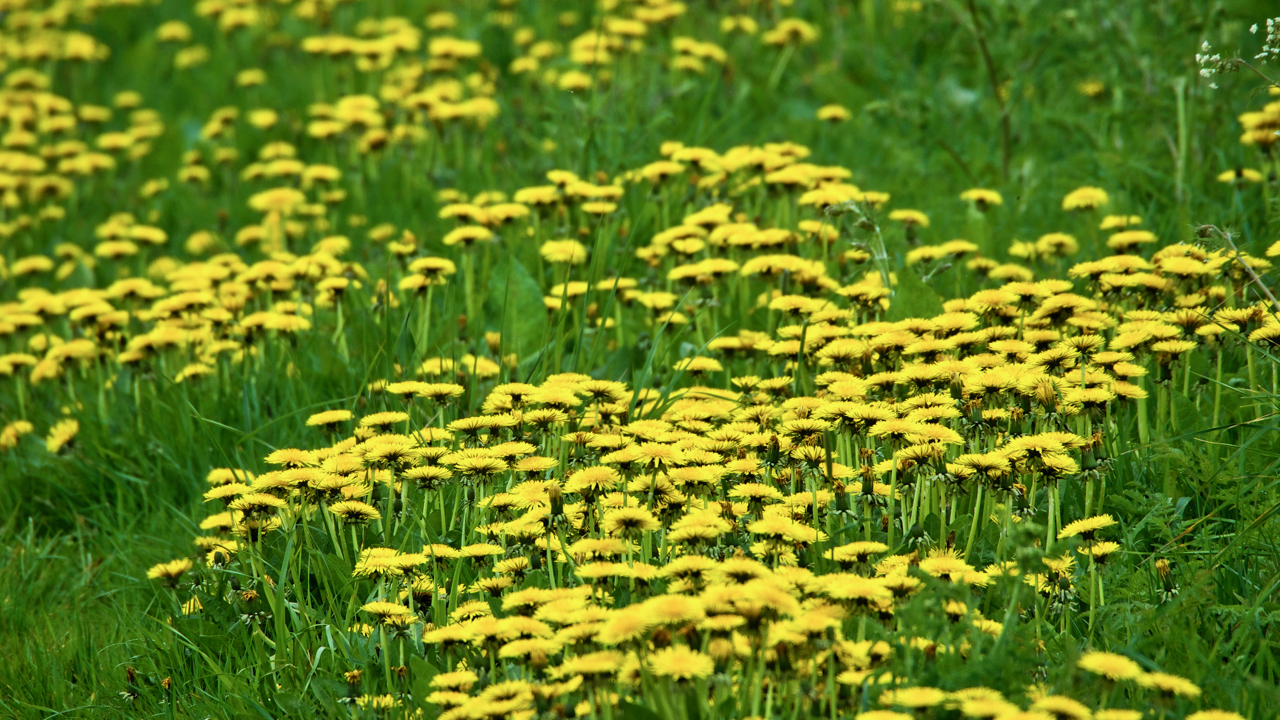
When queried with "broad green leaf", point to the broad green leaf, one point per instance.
{"points": [[514, 303], [912, 298]]}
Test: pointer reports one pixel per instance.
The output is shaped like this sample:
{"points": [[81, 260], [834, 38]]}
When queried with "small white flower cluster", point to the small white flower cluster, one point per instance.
{"points": [[1212, 64], [1270, 45]]}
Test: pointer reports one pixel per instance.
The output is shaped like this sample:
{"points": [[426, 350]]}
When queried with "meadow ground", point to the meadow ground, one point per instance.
{"points": [[886, 359]]}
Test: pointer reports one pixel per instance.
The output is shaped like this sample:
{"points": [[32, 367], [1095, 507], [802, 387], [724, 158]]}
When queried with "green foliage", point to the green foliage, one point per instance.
{"points": [[912, 298]]}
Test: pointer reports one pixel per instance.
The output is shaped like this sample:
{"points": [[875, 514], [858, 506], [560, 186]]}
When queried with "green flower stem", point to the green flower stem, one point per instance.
{"points": [[466, 519], [830, 693], [1088, 497], [468, 289], [388, 514], [915, 505], [756, 684], [893, 489], [1252, 363], [339, 332], [386, 655], [1144, 431], [942, 511], [102, 392], [453, 516], [424, 333], [1006, 532], [564, 548], [776, 75], [1057, 507], [333, 533], [1093, 605], [973, 525]]}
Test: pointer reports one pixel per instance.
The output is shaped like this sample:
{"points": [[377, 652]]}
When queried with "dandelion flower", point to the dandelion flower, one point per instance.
{"points": [[355, 512], [624, 626], [1117, 714], [387, 610], [329, 419], [881, 714], [1109, 665], [1215, 715], [629, 522], [982, 198], [1087, 527], [61, 435], [567, 252], [681, 663], [834, 113], [1085, 198], [170, 572], [596, 664], [1169, 684], [915, 698]]}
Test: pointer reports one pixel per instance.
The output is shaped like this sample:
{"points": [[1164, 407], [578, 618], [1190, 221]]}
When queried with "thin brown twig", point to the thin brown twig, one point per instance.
{"points": [[1226, 238], [1256, 71], [964, 167]]}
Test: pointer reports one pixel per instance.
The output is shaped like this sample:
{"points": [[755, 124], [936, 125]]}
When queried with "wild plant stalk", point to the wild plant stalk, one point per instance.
{"points": [[1093, 583], [973, 525], [339, 332], [424, 332], [1180, 160], [1144, 430], [997, 90]]}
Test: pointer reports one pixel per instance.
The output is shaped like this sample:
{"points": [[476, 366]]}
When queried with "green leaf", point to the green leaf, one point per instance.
{"points": [[912, 298], [422, 673], [514, 305], [327, 692], [217, 609], [336, 568], [290, 703], [1189, 419]]}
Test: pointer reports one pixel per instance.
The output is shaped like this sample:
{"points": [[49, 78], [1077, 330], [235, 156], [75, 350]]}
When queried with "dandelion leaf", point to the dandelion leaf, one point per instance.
{"points": [[515, 300], [912, 298]]}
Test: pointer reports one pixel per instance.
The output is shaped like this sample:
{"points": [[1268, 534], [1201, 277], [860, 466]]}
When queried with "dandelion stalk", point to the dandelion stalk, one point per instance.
{"points": [[893, 491], [424, 332], [776, 75], [339, 333], [1217, 388], [468, 288], [137, 400], [1093, 583], [1254, 386], [973, 525], [915, 504], [386, 654], [757, 662], [1144, 431], [1006, 530]]}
